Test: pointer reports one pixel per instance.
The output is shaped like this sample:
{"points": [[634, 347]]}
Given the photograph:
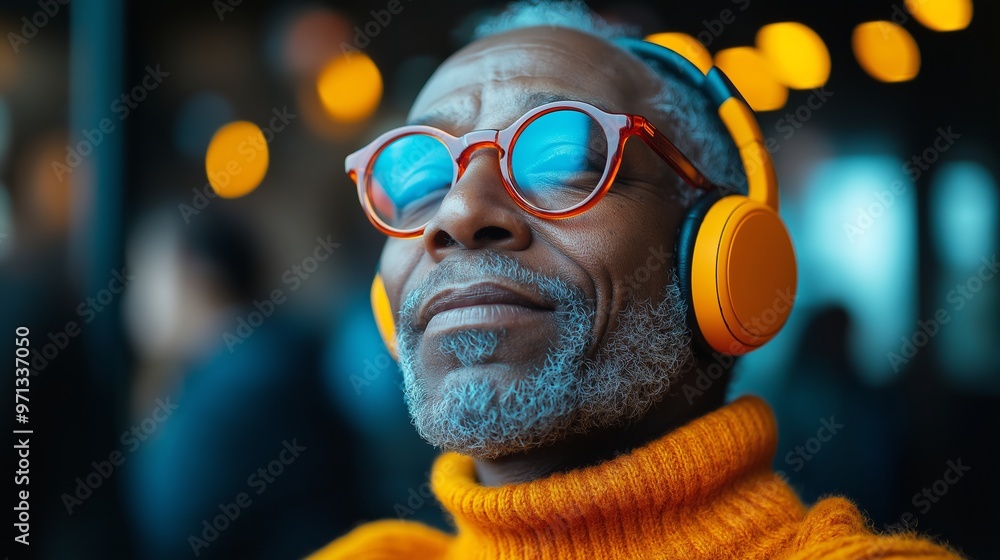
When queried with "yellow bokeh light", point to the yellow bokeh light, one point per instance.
{"points": [[797, 55], [886, 51], [941, 15], [237, 159], [350, 87], [751, 74], [686, 46]]}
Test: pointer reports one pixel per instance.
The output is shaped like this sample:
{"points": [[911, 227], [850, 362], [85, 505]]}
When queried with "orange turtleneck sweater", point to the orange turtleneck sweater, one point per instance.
{"points": [[703, 491]]}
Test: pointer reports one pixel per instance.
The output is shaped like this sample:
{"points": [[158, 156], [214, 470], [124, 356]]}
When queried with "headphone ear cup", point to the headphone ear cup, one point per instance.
{"points": [[687, 235], [383, 315], [743, 275]]}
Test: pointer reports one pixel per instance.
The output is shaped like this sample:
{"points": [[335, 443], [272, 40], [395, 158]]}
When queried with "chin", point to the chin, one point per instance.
{"points": [[491, 410]]}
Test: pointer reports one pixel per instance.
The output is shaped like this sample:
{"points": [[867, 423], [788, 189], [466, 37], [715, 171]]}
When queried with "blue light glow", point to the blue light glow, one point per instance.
{"points": [[854, 232]]}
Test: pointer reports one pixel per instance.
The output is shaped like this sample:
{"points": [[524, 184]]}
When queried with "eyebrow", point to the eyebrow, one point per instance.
{"points": [[436, 118], [444, 118], [540, 98]]}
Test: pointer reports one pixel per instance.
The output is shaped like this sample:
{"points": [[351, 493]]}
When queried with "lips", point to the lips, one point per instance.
{"points": [[479, 294]]}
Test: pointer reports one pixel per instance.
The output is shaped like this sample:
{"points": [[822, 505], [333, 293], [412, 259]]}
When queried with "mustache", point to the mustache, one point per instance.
{"points": [[562, 295]]}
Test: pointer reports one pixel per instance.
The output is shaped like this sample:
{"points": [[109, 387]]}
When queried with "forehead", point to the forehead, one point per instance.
{"points": [[495, 80]]}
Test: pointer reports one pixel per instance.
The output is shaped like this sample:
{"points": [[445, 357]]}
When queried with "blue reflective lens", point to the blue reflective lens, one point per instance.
{"points": [[559, 158], [410, 177]]}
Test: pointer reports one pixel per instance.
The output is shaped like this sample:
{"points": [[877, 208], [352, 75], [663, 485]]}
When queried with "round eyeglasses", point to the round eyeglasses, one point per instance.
{"points": [[557, 161]]}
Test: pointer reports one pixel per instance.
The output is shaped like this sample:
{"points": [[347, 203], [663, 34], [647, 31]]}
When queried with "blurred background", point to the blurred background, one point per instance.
{"points": [[178, 235]]}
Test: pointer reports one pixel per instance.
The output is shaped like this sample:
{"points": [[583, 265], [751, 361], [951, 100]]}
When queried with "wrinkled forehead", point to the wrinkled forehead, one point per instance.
{"points": [[495, 80]]}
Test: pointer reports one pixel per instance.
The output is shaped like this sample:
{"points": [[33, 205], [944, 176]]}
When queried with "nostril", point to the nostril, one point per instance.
{"points": [[491, 233], [443, 239]]}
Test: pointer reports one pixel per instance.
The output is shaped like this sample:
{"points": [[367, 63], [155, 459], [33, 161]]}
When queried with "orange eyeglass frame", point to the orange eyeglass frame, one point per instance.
{"points": [[618, 128]]}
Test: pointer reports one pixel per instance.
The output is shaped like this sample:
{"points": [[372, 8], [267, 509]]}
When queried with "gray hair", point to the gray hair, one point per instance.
{"points": [[705, 140]]}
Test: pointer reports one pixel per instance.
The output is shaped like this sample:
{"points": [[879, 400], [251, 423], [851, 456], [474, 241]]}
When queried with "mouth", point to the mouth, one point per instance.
{"points": [[484, 304]]}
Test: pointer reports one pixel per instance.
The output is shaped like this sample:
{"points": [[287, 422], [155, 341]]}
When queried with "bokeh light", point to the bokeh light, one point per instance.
{"points": [[941, 15], [50, 193], [313, 114], [964, 207], [685, 45], [350, 88], [797, 55], [858, 257], [751, 74], [964, 199], [237, 159], [886, 51], [310, 39]]}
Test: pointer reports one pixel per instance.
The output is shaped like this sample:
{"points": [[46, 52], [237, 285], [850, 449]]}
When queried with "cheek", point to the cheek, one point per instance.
{"points": [[647, 269], [633, 253]]}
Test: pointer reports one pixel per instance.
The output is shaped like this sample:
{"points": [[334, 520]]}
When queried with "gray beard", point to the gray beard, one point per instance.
{"points": [[569, 394]]}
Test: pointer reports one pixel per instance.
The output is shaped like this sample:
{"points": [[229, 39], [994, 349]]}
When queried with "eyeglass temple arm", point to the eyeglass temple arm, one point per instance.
{"points": [[677, 161]]}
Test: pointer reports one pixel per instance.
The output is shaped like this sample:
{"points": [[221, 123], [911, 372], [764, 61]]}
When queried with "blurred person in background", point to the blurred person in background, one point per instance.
{"points": [[239, 464], [72, 418], [558, 386]]}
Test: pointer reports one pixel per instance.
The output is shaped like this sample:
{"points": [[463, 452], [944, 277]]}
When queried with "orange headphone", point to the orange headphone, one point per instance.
{"points": [[734, 258]]}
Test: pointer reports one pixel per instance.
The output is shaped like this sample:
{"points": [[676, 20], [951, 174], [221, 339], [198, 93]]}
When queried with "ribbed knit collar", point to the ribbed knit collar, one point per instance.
{"points": [[704, 490]]}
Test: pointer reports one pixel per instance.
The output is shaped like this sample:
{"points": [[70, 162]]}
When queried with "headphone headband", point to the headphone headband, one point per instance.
{"points": [[732, 109]]}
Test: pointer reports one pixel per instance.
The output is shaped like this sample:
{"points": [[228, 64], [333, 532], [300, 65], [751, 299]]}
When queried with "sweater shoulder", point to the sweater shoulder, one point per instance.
{"points": [[387, 540], [834, 529]]}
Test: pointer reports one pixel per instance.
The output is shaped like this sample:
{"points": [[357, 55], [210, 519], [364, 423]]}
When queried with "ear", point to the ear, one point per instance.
{"points": [[734, 259]]}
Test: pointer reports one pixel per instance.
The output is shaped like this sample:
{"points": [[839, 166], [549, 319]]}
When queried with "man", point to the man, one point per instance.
{"points": [[541, 325]]}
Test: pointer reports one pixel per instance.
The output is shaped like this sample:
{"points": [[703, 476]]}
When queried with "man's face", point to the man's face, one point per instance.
{"points": [[516, 330]]}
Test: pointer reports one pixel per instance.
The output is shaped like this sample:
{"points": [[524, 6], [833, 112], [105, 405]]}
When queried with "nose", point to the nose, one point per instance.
{"points": [[477, 212]]}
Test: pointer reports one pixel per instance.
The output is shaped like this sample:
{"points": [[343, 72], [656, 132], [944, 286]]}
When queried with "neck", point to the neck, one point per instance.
{"points": [[583, 450]]}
